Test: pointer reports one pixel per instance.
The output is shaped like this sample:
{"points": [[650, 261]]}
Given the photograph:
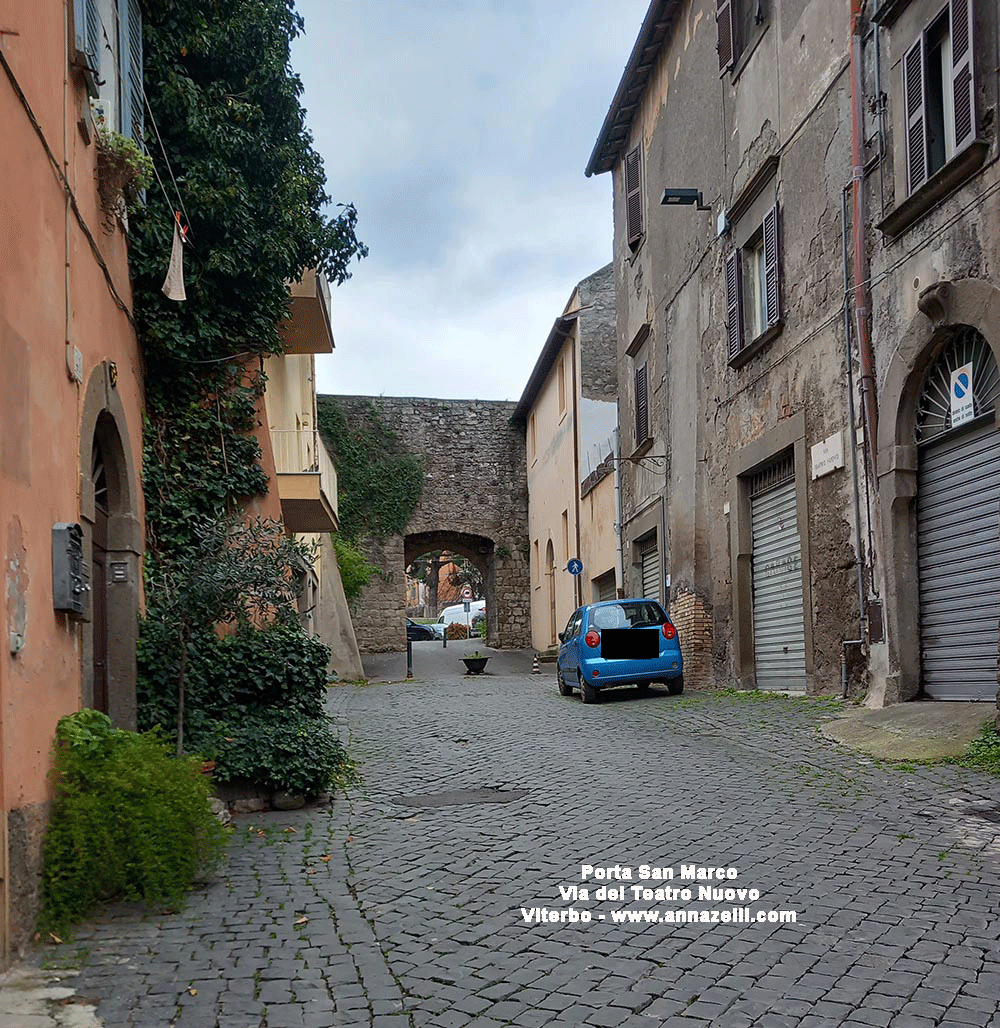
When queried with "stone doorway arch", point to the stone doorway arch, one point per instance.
{"points": [[109, 513], [943, 307], [478, 549]]}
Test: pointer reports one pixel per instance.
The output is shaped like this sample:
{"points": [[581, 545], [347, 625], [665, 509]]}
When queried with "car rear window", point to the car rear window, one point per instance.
{"points": [[628, 614]]}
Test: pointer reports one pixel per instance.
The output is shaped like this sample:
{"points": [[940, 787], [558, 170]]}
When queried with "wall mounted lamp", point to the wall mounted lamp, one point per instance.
{"points": [[684, 198]]}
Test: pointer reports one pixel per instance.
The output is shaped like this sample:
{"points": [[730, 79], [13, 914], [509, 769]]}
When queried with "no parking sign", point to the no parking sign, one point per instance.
{"points": [[962, 404]]}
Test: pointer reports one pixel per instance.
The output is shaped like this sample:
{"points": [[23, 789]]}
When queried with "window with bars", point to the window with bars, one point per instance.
{"points": [[938, 93], [753, 287]]}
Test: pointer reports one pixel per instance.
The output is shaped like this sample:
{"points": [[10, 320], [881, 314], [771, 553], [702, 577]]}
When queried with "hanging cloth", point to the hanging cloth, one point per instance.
{"points": [[173, 284]]}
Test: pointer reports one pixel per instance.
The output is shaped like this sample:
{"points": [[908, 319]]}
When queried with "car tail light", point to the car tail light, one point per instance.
{"points": [[592, 639], [669, 632]]}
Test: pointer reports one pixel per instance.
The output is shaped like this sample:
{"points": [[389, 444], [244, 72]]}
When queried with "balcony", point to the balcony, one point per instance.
{"points": [[307, 481], [309, 330]]}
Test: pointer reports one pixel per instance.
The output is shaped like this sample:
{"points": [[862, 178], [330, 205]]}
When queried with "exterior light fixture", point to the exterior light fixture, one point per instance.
{"points": [[684, 198]]}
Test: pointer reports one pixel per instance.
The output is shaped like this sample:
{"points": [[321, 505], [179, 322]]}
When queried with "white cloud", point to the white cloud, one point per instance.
{"points": [[460, 129]]}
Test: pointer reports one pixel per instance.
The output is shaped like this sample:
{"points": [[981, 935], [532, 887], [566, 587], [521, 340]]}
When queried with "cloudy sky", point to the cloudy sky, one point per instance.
{"points": [[460, 129]]}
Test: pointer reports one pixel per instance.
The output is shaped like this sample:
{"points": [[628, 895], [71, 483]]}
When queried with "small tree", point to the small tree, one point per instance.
{"points": [[240, 572]]}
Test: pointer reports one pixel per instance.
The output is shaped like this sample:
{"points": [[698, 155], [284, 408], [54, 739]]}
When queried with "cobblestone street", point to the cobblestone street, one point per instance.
{"points": [[399, 906]]}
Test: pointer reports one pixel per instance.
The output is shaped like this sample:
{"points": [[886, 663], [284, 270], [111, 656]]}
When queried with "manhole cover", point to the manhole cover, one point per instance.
{"points": [[457, 796]]}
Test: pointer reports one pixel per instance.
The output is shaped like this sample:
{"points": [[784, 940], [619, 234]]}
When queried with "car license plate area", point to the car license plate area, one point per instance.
{"points": [[629, 644]]}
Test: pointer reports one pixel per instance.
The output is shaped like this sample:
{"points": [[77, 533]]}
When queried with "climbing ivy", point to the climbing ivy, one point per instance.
{"points": [[379, 481], [225, 123], [228, 126]]}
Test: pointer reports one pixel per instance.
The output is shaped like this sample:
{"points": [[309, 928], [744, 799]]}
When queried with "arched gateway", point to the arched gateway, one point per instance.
{"points": [[474, 502]]}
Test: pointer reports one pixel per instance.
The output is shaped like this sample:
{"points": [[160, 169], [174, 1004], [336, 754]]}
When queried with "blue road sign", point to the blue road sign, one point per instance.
{"points": [[575, 566]]}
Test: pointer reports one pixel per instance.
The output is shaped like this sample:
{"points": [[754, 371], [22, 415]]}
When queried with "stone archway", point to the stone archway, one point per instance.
{"points": [[474, 502], [109, 502], [479, 549], [971, 302]]}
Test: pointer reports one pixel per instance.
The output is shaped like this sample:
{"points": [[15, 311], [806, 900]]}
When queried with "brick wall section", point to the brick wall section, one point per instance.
{"points": [[474, 501], [692, 617]]}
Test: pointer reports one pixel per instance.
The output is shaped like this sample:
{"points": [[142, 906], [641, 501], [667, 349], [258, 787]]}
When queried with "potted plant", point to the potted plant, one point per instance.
{"points": [[475, 663], [123, 172]]}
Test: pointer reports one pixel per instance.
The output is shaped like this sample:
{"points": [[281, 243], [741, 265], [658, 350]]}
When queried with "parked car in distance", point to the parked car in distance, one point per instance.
{"points": [[416, 632], [618, 642], [457, 612]]}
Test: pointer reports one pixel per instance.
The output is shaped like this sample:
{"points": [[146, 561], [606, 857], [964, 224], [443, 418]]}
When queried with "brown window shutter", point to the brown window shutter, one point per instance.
{"points": [[734, 304], [772, 266], [641, 406], [633, 196], [724, 18], [913, 98], [961, 72]]}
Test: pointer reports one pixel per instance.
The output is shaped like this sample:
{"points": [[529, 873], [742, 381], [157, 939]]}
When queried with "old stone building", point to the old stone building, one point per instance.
{"points": [[473, 503], [796, 284], [568, 412]]}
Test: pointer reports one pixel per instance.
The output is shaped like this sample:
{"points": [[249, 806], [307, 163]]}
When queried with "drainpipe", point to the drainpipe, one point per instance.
{"points": [[619, 533], [576, 349], [861, 297], [848, 357]]}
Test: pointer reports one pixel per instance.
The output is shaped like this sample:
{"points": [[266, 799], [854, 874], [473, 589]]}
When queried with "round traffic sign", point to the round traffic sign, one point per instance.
{"points": [[467, 593], [575, 566]]}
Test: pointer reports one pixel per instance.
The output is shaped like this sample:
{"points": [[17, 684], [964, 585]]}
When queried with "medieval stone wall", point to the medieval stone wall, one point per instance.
{"points": [[474, 502]]}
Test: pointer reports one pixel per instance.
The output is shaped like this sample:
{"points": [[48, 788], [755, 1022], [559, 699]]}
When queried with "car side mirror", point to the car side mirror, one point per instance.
{"points": [[562, 637]]}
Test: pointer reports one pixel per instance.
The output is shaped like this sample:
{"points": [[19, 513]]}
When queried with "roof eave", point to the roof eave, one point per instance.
{"points": [[618, 121]]}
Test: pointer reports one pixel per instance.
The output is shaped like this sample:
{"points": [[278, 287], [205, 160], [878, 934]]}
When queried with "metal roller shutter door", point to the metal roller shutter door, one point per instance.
{"points": [[649, 563], [778, 628], [958, 547]]}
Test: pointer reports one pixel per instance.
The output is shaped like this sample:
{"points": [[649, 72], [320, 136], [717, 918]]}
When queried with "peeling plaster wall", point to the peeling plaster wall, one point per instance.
{"points": [[955, 247], [788, 99]]}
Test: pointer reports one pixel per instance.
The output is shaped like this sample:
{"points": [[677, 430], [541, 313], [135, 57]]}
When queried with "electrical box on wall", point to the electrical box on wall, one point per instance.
{"points": [[70, 577]]}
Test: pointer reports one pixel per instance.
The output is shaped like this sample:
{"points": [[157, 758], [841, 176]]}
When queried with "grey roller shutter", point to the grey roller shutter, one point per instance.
{"points": [[958, 539], [649, 569], [606, 587], [778, 627]]}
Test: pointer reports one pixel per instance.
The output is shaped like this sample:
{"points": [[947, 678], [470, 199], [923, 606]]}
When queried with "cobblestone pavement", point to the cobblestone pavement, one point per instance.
{"points": [[388, 914]]}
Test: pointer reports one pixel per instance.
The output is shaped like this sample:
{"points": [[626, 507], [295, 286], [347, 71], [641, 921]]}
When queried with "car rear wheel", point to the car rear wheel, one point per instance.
{"points": [[675, 686], [588, 693], [564, 689]]}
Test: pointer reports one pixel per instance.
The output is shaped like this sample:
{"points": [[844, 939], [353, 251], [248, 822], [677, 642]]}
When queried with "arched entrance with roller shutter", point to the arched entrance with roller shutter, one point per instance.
{"points": [[939, 497]]}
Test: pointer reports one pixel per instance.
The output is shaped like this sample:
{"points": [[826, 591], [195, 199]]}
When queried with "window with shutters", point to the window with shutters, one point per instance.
{"points": [[938, 93], [107, 47], [753, 290], [943, 96], [740, 24], [633, 198], [641, 406]]}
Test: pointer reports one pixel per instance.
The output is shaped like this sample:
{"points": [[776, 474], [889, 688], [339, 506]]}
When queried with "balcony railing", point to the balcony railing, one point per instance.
{"points": [[307, 480]]}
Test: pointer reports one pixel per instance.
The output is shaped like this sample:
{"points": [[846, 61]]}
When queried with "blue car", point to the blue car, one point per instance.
{"points": [[620, 642]]}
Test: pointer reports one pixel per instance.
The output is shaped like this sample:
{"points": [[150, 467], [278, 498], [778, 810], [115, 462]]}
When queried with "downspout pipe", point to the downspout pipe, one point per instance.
{"points": [[866, 357]]}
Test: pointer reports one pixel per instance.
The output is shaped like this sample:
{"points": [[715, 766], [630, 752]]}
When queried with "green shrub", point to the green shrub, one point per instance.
{"points": [[128, 819], [286, 751], [277, 667], [456, 630], [356, 571]]}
